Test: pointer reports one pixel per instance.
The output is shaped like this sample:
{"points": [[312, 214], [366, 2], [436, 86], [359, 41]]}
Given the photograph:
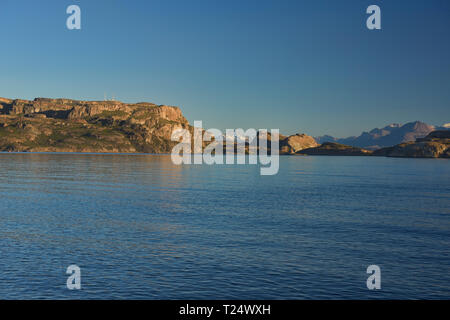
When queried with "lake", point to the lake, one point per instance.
{"points": [[140, 227]]}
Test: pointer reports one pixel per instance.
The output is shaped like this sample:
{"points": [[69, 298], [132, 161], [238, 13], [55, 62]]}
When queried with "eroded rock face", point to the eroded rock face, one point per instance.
{"points": [[295, 143], [87, 126]]}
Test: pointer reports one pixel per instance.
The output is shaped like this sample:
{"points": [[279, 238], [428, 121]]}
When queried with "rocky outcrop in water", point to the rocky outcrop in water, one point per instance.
{"points": [[295, 143]]}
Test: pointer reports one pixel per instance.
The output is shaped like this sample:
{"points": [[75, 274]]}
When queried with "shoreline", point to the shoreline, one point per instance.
{"points": [[168, 154]]}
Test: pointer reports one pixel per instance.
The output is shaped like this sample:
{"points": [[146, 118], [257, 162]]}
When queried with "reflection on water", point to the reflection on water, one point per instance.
{"points": [[140, 227]]}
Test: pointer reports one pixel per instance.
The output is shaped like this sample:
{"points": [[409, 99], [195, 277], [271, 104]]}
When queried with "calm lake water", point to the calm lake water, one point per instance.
{"points": [[140, 227]]}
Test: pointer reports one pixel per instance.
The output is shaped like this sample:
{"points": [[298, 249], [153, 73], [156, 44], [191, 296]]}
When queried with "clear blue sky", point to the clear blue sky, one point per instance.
{"points": [[301, 66]]}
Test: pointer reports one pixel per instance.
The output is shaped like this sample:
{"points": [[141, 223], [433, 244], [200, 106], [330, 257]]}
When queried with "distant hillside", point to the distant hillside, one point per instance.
{"points": [[434, 145], [334, 149], [388, 136]]}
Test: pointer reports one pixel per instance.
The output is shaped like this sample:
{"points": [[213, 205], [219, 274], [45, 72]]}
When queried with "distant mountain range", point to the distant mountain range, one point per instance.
{"points": [[388, 136]]}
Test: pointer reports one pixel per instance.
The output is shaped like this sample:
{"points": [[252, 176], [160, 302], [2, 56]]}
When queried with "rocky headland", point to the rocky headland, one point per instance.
{"points": [[63, 125]]}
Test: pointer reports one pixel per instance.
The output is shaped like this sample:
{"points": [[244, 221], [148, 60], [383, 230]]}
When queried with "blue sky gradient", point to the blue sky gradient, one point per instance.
{"points": [[301, 66]]}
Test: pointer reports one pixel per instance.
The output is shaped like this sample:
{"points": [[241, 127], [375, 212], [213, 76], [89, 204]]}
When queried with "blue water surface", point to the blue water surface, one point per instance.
{"points": [[140, 227]]}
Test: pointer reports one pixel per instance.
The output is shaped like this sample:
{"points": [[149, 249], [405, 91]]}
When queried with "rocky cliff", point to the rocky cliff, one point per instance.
{"points": [[63, 125]]}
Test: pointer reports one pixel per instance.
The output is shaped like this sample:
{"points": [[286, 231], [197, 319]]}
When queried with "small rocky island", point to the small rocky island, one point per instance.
{"points": [[64, 125]]}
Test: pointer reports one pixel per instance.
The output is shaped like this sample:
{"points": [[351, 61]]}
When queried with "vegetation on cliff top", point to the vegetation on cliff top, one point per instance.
{"points": [[64, 125]]}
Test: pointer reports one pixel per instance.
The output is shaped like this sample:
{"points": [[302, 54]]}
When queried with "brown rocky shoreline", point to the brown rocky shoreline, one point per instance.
{"points": [[65, 125]]}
